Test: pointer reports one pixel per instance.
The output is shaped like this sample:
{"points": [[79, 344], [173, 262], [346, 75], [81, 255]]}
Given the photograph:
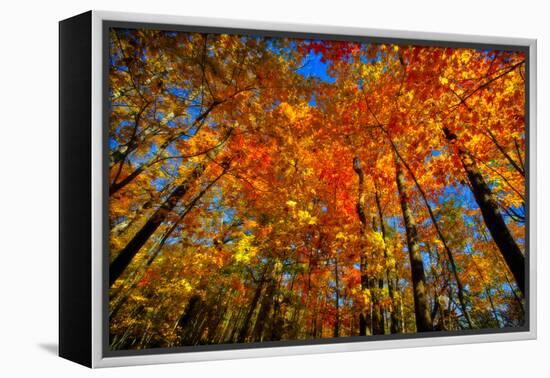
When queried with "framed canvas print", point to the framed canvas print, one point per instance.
{"points": [[237, 189]]}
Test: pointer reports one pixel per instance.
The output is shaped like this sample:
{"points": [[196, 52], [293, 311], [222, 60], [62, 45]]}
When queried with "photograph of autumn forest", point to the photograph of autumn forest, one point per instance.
{"points": [[271, 188]]}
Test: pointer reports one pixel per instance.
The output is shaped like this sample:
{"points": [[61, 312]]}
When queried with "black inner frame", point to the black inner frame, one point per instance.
{"points": [[108, 24]]}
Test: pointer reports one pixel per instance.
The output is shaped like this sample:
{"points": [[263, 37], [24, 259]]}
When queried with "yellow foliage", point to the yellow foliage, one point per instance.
{"points": [[305, 217], [291, 203], [244, 250], [185, 285], [340, 236]]}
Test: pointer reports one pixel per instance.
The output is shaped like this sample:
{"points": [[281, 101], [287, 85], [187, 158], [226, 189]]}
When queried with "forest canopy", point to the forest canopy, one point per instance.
{"points": [[265, 189]]}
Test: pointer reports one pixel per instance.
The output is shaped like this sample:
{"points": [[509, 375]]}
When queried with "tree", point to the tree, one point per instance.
{"points": [[268, 188]]}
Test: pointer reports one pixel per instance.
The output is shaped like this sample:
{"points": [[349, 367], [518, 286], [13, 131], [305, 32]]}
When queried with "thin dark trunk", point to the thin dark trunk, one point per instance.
{"points": [[227, 319], [191, 311], [421, 305], [460, 290], [263, 320], [116, 186], [380, 319], [394, 327], [493, 308], [200, 326], [376, 285], [491, 215], [277, 324], [248, 318], [364, 328], [235, 327], [336, 332], [516, 296], [217, 319], [364, 316], [506, 155]]}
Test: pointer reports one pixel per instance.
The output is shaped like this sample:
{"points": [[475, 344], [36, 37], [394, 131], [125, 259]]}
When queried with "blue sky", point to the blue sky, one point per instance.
{"points": [[314, 67]]}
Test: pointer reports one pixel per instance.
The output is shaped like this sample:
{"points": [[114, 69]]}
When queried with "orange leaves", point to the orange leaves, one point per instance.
{"points": [[283, 219]]}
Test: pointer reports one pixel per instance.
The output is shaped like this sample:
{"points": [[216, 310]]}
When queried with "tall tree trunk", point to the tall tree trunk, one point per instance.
{"points": [[376, 285], [277, 323], [493, 308], [491, 214], [336, 331], [235, 326], [460, 288], [394, 327], [421, 306], [185, 322], [379, 317], [365, 321], [123, 259], [364, 328], [116, 186], [243, 333], [264, 319]]}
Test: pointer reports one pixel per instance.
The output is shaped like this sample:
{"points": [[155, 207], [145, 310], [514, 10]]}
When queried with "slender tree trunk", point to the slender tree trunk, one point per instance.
{"points": [[394, 327], [460, 291], [253, 304], [381, 321], [491, 215], [228, 319], [314, 322], [516, 296], [277, 324], [493, 308], [360, 208], [376, 284], [200, 326], [235, 326], [421, 305], [193, 307], [336, 332], [263, 320], [504, 153], [116, 186], [365, 322]]}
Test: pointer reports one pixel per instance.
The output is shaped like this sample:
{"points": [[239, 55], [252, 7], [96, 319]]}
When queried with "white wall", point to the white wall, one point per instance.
{"points": [[28, 185]]}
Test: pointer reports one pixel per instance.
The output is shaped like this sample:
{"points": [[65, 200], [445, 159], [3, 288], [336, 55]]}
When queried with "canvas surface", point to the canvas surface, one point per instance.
{"points": [[275, 189]]}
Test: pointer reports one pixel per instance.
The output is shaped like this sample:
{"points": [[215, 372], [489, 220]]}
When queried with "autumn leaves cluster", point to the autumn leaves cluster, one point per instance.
{"points": [[252, 199]]}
